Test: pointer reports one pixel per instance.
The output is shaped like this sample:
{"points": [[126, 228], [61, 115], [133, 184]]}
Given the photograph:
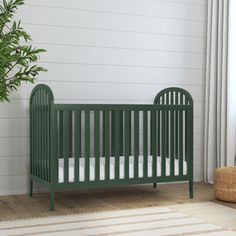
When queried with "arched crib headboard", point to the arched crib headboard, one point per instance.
{"points": [[41, 99], [177, 127], [173, 96], [41, 95]]}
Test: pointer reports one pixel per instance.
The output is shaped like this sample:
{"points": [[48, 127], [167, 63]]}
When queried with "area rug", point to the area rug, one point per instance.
{"points": [[210, 212], [182, 219]]}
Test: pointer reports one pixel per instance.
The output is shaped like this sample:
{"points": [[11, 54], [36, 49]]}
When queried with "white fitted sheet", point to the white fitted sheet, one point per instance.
{"points": [[112, 168]]}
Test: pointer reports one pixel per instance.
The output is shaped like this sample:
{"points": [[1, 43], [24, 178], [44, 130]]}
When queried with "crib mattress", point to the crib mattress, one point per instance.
{"points": [[71, 170]]}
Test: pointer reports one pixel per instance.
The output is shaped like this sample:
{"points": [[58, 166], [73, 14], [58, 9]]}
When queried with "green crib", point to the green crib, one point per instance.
{"points": [[75, 146]]}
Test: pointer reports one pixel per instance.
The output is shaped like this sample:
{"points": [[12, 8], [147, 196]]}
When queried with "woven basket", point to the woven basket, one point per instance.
{"points": [[225, 184]]}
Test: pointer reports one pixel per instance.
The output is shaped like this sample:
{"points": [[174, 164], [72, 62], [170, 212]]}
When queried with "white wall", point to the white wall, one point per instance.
{"points": [[107, 51]]}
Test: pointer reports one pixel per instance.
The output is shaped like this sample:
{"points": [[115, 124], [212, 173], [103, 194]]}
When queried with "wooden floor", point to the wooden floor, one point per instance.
{"points": [[95, 200]]}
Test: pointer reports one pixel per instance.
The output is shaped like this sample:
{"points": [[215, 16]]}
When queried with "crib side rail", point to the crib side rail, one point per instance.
{"points": [[99, 132], [41, 101]]}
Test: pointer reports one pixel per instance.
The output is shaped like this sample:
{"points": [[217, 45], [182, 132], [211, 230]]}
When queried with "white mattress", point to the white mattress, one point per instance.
{"points": [[112, 168]]}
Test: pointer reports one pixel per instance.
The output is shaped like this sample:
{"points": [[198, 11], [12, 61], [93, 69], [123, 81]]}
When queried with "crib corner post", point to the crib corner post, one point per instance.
{"points": [[52, 200], [190, 148], [31, 188], [191, 188], [53, 158]]}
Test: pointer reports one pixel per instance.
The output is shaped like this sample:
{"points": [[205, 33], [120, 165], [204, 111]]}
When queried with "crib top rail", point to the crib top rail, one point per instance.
{"points": [[118, 107], [168, 99]]}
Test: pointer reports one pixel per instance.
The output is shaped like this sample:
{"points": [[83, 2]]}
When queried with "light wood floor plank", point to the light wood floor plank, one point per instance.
{"points": [[98, 200]]}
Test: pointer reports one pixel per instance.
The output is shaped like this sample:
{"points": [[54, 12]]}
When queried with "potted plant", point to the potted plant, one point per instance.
{"points": [[17, 57]]}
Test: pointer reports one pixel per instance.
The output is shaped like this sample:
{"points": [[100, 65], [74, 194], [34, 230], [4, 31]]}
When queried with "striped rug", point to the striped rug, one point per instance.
{"points": [[145, 221]]}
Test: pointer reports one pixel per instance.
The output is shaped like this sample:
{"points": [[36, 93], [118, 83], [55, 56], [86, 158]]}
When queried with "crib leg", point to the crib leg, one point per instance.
{"points": [[52, 200], [154, 185], [31, 188], [191, 189]]}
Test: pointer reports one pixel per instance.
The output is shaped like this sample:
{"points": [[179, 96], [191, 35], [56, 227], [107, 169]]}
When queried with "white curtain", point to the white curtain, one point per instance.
{"points": [[217, 136], [231, 93]]}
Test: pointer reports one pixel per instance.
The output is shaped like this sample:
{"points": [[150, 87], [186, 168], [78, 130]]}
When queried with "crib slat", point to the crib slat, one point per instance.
{"points": [[121, 133], [70, 133], [43, 158], [46, 136], [60, 134], [87, 145], [187, 139], [48, 139], [167, 128], [77, 142], [164, 122], [39, 138], [176, 128], [176, 151], [66, 145], [171, 97], [154, 154], [172, 144], [181, 139], [130, 124], [38, 144], [38, 141], [43, 138], [145, 144], [34, 114], [186, 135], [113, 122], [158, 133], [127, 143], [97, 144], [54, 145], [190, 147], [136, 143], [180, 143], [106, 119], [103, 134], [39, 135], [117, 144], [30, 139], [33, 138]]}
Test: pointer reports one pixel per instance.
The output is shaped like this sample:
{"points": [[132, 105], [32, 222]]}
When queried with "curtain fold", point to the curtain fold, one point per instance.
{"points": [[231, 92], [216, 100]]}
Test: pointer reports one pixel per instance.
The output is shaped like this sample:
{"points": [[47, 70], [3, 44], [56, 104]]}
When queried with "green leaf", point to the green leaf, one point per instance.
{"points": [[17, 60]]}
